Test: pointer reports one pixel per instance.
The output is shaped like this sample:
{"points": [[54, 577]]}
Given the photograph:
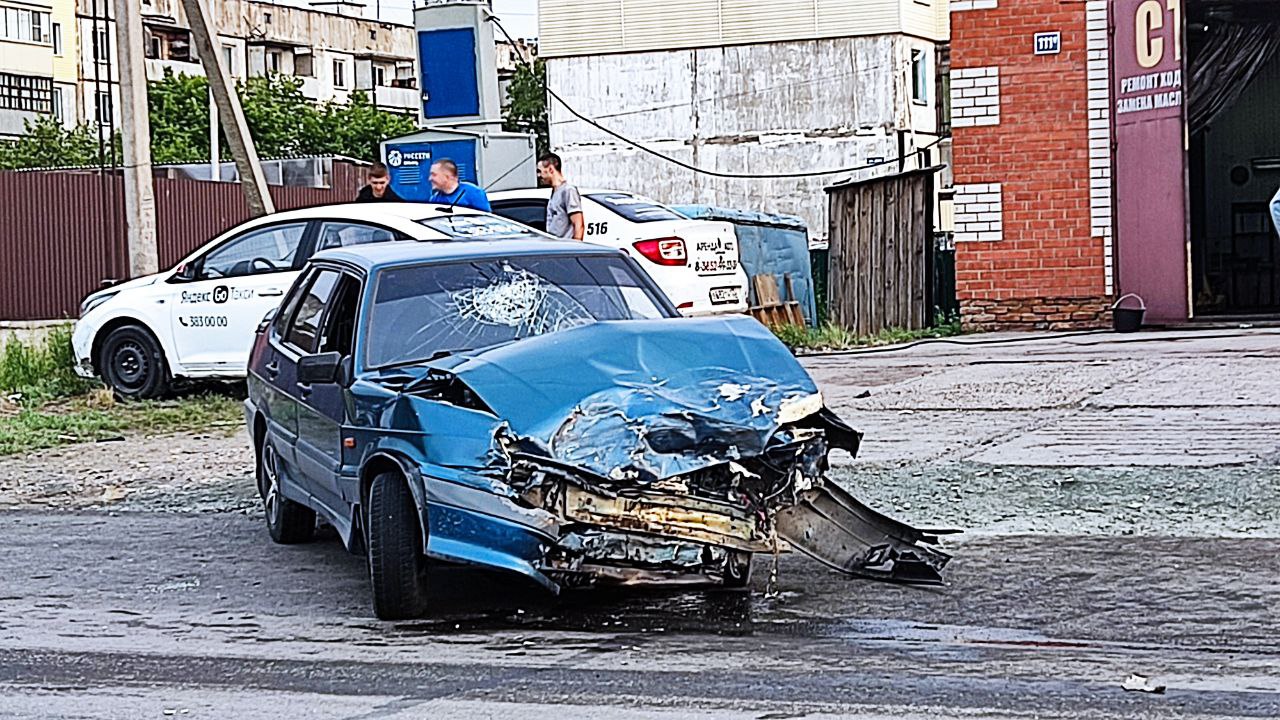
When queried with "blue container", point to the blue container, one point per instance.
{"points": [[774, 244]]}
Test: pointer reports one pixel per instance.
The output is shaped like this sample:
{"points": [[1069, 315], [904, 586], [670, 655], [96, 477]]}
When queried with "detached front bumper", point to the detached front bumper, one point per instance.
{"points": [[82, 345]]}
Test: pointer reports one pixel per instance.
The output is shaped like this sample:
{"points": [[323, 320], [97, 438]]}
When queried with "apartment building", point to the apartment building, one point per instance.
{"points": [[38, 41], [332, 52]]}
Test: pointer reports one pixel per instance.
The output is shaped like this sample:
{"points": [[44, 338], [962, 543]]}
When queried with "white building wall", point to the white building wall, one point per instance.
{"points": [[759, 109]]}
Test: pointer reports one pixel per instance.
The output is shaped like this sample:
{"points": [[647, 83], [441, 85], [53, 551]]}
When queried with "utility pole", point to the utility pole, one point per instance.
{"points": [[252, 181], [139, 194]]}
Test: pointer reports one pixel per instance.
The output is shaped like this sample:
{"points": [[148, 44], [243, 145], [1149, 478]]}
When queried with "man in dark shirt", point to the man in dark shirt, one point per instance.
{"points": [[379, 187]]}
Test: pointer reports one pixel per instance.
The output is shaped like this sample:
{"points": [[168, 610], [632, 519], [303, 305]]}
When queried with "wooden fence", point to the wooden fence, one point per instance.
{"points": [[880, 263]]}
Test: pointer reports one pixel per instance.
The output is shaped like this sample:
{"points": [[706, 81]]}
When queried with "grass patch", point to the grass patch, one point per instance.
{"points": [[41, 372], [832, 337], [43, 403]]}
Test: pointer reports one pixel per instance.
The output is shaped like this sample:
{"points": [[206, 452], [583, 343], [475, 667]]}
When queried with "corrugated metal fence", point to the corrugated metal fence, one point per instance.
{"points": [[62, 234]]}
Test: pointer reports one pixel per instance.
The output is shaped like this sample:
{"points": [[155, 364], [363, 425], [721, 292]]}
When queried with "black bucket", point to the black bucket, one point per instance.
{"points": [[1128, 319]]}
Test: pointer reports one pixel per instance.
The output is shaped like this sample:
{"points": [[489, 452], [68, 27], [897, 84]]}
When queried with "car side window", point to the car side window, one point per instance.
{"points": [[346, 234], [304, 326], [340, 324], [265, 250], [526, 212]]}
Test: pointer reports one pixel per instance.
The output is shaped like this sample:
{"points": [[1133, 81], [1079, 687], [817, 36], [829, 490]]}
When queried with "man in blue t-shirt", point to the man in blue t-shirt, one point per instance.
{"points": [[447, 189], [1275, 211]]}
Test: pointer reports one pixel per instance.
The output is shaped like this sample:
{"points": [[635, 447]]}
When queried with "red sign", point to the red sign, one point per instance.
{"points": [[1150, 159]]}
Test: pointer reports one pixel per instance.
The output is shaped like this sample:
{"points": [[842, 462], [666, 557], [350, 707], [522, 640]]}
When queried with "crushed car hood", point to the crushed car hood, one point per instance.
{"points": [[643, 399], [695, 430]]}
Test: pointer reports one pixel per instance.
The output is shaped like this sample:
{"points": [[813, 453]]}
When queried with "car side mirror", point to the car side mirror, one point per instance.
{"points": [[186, 271], [322, 368]]}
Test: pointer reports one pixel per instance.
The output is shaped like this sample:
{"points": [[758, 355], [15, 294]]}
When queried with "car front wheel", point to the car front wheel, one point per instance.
{"points": [[133, 364], [288, 522], [397, 566]]}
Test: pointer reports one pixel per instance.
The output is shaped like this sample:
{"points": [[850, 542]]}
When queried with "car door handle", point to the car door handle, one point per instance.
{"points": [[304, 390], [272, 368], [271, 292]]}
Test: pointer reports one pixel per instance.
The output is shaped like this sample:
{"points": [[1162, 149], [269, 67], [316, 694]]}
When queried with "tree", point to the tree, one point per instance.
{"points": [[526, 109], [356, 128], [179, 110], [46, 143], [282, 121]]}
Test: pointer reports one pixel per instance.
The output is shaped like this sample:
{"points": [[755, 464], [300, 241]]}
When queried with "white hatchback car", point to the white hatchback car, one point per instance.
{"points": [[197, 320], [695, 262]]}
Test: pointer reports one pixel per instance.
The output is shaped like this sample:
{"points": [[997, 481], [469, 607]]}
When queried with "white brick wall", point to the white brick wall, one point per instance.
{"points": [[958, 5], [975, 96], [979, 212], [1099, 131]]}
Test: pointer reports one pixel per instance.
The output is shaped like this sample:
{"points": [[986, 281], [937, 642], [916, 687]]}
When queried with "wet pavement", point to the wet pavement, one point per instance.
{"points": [[1120, 498]]}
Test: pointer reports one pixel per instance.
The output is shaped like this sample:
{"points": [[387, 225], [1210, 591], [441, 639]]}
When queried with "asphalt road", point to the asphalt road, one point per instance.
{"points": [[1120, 497], [155, 614]]}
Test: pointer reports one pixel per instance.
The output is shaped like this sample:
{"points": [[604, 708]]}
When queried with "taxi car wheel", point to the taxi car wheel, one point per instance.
{"points": [[737, 569], [397, 566], [132, 364], [288, 522]]}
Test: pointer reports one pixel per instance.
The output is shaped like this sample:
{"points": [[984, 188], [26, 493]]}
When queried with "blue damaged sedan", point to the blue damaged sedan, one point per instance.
{"points": [[539, 407]]}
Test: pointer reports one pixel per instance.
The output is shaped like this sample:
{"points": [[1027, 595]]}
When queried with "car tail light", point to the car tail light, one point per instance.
{"points": [[664, 251]]}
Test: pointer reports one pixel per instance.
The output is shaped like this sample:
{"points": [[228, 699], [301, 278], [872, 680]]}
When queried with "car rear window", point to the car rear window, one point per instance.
{"points": [[425, 310], [476, 226], [634, 208]]}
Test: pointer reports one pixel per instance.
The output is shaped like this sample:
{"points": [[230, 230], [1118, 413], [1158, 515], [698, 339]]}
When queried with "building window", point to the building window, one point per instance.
{"points": [[273, 61], [303, 65], [339, 73], [380, 76], [102, 46], [920, 77], [25, 25], [227, 51], [26, 93], [56, 28], [266, 18], [59, 113], [153, 47], [103, 108]]}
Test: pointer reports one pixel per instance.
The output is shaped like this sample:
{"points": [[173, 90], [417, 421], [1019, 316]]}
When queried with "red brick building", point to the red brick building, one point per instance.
{"points": [[1081, 174]]}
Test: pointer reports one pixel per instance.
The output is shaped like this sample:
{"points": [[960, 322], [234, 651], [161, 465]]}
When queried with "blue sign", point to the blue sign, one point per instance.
{"points": [[1048, 43], [409, 165]]}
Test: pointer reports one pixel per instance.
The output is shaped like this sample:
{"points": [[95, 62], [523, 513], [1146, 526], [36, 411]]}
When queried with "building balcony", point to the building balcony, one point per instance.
{"points": [[400, 98], [156, 68]]}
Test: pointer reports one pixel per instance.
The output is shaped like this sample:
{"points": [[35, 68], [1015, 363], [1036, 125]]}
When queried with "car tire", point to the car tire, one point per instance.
{"points": [[288, 522], [737, 569], [397, 566], [132, 363]]}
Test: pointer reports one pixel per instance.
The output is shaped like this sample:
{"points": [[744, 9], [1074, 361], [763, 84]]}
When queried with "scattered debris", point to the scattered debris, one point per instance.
{"points": [[1142, 683]]}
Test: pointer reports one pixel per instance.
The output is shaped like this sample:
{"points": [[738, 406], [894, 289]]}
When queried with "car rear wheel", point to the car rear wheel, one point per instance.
{"points": [[737, 569], [133, 364], [288, 522], [397, 566]]}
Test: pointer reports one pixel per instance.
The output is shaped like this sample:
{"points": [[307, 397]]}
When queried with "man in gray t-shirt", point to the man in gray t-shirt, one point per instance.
{"points": [[564, 209]]}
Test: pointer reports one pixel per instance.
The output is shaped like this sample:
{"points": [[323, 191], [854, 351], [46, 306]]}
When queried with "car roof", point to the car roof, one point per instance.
{"points": [[375, 256], [373, 211], [542, 192]]}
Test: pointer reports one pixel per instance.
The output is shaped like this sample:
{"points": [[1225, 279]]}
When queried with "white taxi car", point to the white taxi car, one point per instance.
{"points": [[695, 262], [197, 320]]}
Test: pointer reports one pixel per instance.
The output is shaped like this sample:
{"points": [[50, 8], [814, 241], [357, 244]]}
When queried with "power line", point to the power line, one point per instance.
{"points": [[688, 166]]}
